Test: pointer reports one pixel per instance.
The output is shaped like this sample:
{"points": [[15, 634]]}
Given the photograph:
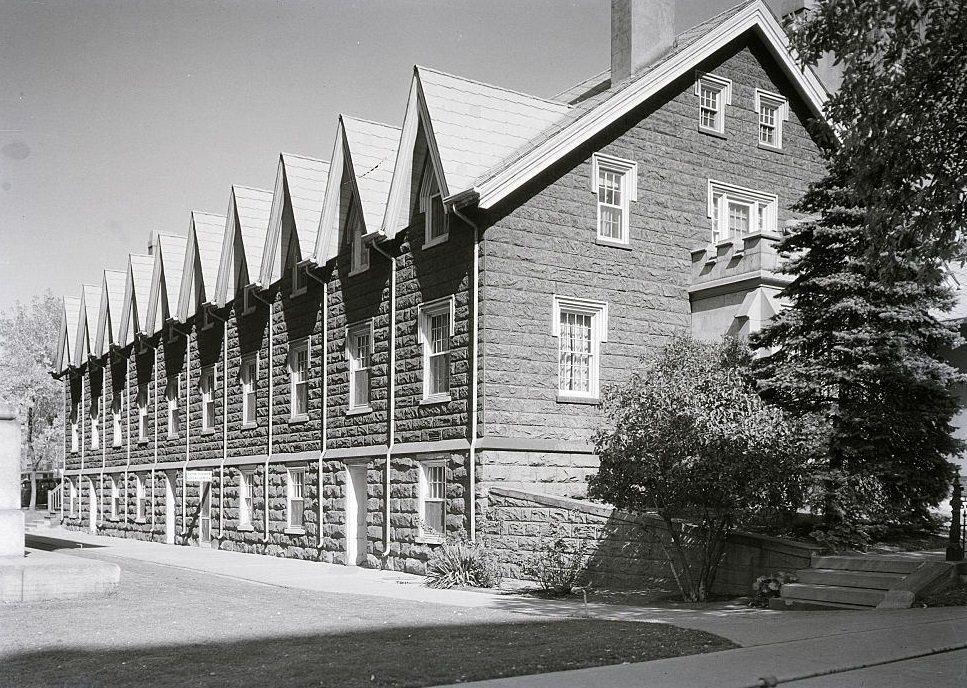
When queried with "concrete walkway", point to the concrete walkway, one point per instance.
{"points": [[881, 648]]}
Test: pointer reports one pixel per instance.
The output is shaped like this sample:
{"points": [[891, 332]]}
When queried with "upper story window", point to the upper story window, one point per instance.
{"points": [[773, 110], [75, 431], [206, 386], [300, 280], [116, 433], [736, 211], [172, 396], [299, 378], [249, 374], [96, 423], [143, 412], [615, 183], [435, 219], [296, 496], [714, 94], [359, 251], [580, 326], [436, 329], [359, 349]]}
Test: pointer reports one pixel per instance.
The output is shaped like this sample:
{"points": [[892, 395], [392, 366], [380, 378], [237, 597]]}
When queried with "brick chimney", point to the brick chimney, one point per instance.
{"points": [[641, 31]]}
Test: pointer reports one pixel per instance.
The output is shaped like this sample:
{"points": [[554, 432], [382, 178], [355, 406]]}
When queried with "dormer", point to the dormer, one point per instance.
{"points": [[68, 334], [363, 160], [243, 240], [166, 277], [200, 269], [290, 243], [87, 322], [109, 317]]}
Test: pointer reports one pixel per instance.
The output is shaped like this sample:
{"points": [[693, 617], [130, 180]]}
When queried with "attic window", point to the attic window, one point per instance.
{"points": [[359, 257], [248, 301], [436, 225], [714, 93], [300, 280]]}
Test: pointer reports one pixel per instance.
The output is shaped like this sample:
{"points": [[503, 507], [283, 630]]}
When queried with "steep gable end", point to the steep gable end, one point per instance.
{"points": [[169, 258], [109, 319], [200, 269], [243, 241], [68, 334]]}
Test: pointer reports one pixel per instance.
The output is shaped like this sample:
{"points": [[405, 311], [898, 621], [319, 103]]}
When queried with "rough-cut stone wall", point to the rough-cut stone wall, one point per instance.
{"points": [[625, 550]]}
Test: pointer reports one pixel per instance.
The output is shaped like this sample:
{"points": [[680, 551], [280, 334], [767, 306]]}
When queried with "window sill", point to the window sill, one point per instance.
{"points": [[209, 431], [430, 539], [360, 410], [576, 399], [115, 446], [245, 529], [173, 435], [296, 294], [436, 242], [435, 399], [773, 149], [141, 520], [294, 531], [611, 243], [712, 132], [300, 418], [249, 425], [144, 441], [248, 311]]}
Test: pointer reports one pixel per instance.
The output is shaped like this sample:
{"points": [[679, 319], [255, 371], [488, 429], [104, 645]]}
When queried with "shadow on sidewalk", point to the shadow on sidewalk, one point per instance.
{"points": [[51, 544]]}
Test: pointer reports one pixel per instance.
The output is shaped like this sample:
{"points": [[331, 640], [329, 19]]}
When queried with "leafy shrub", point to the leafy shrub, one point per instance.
{"points": [[556, 566], [767, 587], [462, 563]]}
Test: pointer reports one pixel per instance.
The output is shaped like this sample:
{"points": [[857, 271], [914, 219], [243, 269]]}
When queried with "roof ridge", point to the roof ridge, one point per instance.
{"points": [[250, 188], [369, 121], [303, 157], [484, 83]]}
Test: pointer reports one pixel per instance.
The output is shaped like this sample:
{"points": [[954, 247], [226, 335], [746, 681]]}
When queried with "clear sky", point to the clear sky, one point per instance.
{"points": [[117, 118]]}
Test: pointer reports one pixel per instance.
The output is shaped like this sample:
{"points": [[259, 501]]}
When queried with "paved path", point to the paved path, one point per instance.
{"points": [[883, 648]]}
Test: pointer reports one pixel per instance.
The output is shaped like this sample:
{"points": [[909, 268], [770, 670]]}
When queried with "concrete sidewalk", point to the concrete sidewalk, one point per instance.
{"points": [[898, 644]]}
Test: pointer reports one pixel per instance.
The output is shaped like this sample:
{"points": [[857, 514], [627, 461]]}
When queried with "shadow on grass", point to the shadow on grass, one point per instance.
{"points": [[408, 656]]}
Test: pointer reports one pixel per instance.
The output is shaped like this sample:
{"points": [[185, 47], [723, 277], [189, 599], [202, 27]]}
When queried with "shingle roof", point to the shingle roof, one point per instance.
{"points": [[372, 147], [477, 125], [306, 181]]}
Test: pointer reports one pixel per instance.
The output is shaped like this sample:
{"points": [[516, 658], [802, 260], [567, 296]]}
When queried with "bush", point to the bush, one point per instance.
{"points": [[462, 563], [556, 566], [767, 587]]}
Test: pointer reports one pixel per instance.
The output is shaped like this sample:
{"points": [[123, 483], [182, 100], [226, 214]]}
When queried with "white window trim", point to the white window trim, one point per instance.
{"points": [[208, 423], [294, 346], [75, 430], [354, 228], [598, 310], [207, 321], [115, 496], [289, 490], [352, 331], [741, 194], [424, 488], [426, 312], [248, 301], [724, 88], [246, 514], [138, 498], [174, 410], [430, 189], [243, 366], [777, 101], [296, 288], [143, 412], [628, 169], [95, 418], [73, 498], [117, 430]]}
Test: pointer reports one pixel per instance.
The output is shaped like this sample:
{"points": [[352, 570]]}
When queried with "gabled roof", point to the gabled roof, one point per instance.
{"points": [[300, 184], [366, 152], [243, 239], [169, 261], [68, 333], [596, 112], [469, 128], [137, 291], [87, 321], [109, 319], [200, 269]]}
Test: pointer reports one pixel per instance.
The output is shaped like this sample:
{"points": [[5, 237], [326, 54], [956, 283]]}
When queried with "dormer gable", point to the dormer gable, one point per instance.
{"points": [[243, 241], [137, 290], [68, 334], [200, 269], [169, 260], [87, 322], [109, 318]]}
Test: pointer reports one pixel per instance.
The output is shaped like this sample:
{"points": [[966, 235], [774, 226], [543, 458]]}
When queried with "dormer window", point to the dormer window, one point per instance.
{"points": [[207, 322], [714, 93], [736, 211], [359, 251], [436, 225], [773, 110], [248, 301], [300, 279]]}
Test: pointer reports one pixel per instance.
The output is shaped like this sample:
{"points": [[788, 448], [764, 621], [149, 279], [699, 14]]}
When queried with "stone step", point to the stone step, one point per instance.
{"points": [[862, 597], [875, 580], [790, 605], [902, 565]]}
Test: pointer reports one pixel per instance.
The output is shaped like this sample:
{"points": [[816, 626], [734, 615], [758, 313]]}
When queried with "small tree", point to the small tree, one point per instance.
{"points": [[690, 439]]}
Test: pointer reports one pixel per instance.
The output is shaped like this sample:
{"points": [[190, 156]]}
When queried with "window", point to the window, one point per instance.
{"points": [[207, 322], [359, 258], [615, 183], [300, 280], [116, 433], [773, 110], [737, 212], [75, 432], [245, 507], [206, 386], [436, 227], [249, 374], [296, 492], [115, 498], [433, 499], [248, 301], [172, 395], [359, 348], [138, 498], [299, 378], [142, 412], [73, 499], [580, 326], [436, 328], [714, 93], [96, 423]]}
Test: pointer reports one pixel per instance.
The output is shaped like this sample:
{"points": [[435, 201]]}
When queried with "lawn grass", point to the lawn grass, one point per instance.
{"points": [[408, 656]]}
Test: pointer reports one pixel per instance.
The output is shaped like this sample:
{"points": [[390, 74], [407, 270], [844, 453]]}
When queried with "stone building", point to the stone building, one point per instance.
{"points": [[343, 367]]}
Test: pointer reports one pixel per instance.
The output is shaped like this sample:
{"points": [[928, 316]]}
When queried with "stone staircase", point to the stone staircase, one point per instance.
{"points": [[846, 582]]}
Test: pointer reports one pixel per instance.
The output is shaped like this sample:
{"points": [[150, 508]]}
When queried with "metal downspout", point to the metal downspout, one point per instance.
{"points": [[268, 456], [391, 412], [153, 477], [221, 469]]}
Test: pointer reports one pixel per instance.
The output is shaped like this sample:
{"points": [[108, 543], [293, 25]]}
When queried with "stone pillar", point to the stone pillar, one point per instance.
{"points": [[11, 517]]}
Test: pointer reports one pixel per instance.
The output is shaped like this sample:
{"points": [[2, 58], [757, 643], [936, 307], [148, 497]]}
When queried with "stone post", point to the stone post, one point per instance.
{"points": [[955, 552], [11, 517]]}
